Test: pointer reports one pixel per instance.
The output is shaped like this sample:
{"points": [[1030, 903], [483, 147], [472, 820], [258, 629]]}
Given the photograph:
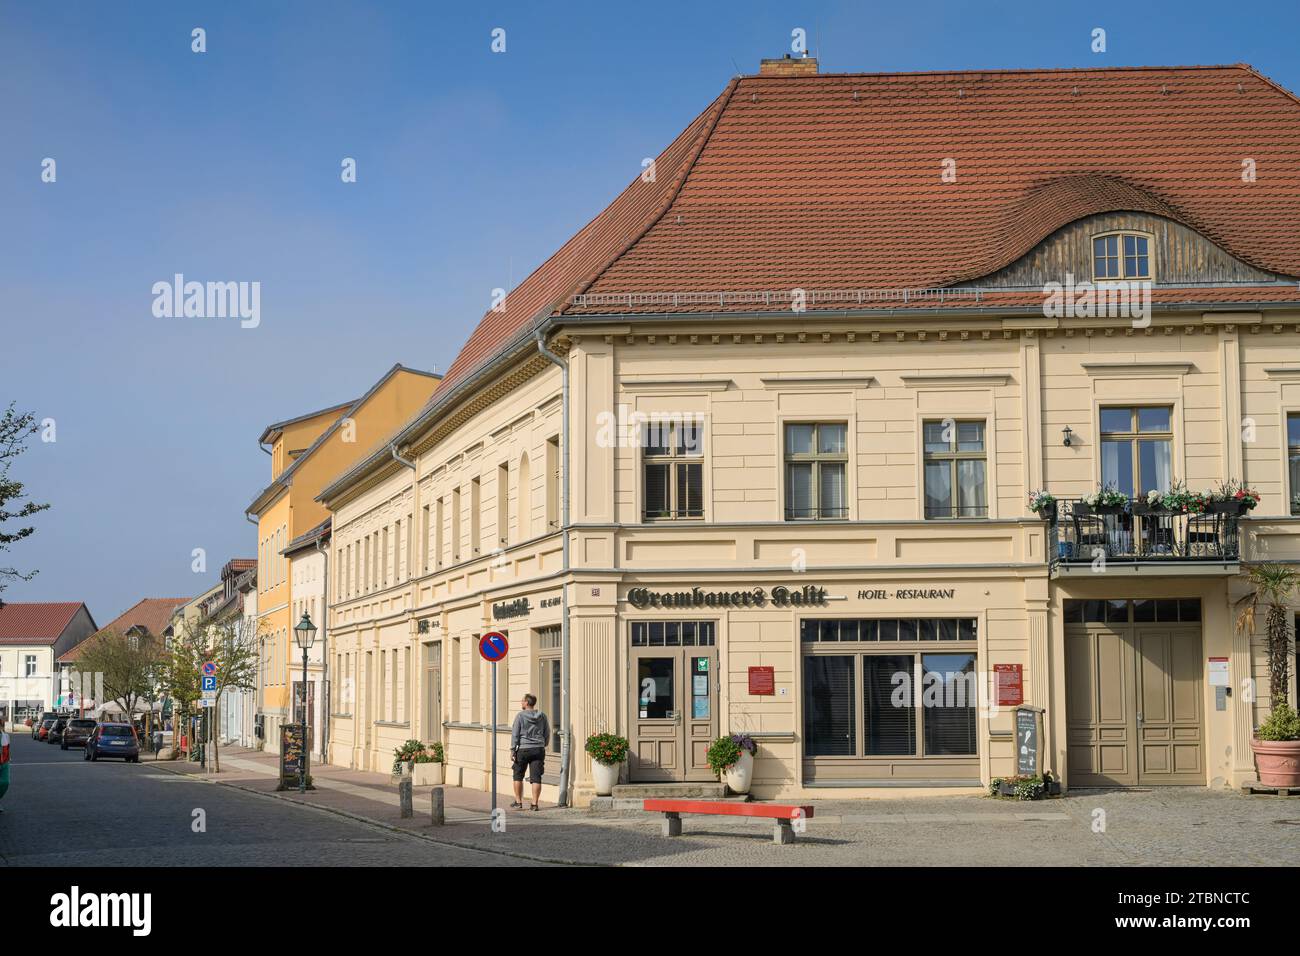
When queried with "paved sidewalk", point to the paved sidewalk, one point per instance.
{"points": [[1179, 826]]}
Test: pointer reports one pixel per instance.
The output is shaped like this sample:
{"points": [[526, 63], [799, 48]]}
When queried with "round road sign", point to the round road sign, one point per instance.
{"points": [[493, 646]]}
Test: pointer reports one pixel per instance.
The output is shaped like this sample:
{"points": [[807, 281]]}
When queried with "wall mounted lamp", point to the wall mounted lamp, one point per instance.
{"points": [[1067, 432]]}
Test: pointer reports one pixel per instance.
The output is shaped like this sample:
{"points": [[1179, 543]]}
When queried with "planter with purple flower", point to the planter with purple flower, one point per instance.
{"points": [[733, 757]]}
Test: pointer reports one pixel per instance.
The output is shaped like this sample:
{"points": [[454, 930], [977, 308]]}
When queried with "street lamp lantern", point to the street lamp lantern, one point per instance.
{"points": [[304, 632]]}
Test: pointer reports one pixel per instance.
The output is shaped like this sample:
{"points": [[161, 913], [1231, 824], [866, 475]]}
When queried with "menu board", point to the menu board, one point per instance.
{"points": [[292, 752], [1027, 741]]}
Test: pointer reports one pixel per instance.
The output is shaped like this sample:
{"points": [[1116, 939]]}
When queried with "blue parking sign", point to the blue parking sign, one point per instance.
{"points": [[209, 683]]}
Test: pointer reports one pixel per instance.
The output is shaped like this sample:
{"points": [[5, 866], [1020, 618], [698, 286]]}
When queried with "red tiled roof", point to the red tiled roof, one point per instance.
{"points": [[151, 614], [35, 622], [587, 253], [833, 182]]}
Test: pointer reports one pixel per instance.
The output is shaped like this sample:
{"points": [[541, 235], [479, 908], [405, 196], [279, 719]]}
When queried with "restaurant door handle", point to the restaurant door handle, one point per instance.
{"points": [[1139, 716], [674, 715]]}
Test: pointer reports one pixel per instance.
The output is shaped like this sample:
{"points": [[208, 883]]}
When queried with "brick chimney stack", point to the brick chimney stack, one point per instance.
{"points": [[789, 66]]}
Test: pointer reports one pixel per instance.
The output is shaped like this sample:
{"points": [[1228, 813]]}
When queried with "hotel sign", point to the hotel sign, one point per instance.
{"points": [[907, 594], [807, 596], [508, 609]]}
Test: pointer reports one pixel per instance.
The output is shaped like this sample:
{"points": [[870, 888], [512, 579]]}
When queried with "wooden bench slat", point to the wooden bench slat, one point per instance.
{"points": [[777, 811]]}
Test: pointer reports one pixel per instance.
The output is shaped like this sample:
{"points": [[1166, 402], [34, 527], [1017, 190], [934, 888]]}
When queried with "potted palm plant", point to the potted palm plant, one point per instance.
{"points": [[1276, 743], [733, 758], [608, 751]]}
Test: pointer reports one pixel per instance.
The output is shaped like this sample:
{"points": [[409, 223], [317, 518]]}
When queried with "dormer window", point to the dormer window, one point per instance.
{"points": [[1121, 255]]}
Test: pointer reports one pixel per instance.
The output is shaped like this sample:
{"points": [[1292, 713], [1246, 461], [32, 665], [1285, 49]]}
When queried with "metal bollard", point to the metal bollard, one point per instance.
{"points": [[437, 811], [404, 797]]}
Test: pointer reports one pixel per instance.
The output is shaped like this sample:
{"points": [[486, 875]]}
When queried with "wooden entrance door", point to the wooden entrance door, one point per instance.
{"points": [[431, 719], [674, 715], [1133, 705], [1170, 748]]}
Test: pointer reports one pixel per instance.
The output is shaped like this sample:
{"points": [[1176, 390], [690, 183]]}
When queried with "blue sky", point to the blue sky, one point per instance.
{"points": [[472, 167]]}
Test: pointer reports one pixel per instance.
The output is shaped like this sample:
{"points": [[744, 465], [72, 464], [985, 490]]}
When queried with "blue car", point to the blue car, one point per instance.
{"points": [[113, 740]]}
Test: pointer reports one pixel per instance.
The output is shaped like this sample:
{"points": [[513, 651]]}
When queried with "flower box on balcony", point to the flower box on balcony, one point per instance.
{"points": [[1142, 508], [1082, 508], [1231, 506]]}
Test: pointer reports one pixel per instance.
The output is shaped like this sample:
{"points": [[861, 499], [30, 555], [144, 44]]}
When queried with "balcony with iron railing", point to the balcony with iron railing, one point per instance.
{"points": [[1135, 535]]}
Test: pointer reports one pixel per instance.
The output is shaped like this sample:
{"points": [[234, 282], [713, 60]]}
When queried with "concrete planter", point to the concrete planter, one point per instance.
{"points": [[603, 777], [427, 774], [1278, 762], [740, 775]]}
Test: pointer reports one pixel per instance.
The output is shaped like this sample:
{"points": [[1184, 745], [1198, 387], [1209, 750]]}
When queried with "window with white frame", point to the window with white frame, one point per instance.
{"points": [[673, 469], [816, 467], [956, 469]]}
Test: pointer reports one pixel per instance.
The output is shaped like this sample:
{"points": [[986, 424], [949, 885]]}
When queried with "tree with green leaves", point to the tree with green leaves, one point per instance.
{"points": [[125, 666], [231, 646], [15, 429]]}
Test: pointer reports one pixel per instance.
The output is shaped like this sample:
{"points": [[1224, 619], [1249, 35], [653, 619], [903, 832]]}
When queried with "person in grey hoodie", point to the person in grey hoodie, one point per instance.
{"points": [[528, 736]]}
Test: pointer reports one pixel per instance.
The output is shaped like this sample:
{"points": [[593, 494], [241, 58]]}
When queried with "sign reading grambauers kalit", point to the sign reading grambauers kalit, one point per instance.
{"points": [[806, 596]]}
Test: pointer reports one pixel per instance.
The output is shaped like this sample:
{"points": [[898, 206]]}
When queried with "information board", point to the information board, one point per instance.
{"points": [[1010, 683], [292, 750], [762, 681], [1027, 741]]}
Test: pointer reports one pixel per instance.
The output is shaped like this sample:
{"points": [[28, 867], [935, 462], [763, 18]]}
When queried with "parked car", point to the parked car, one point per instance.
{"points": [[39, 722], [43, 731], [113, 740], [78, 732], [56, 730]]}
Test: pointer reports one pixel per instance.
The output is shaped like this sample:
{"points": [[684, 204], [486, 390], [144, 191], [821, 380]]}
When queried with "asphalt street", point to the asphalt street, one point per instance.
{"points": [[64, 811]]}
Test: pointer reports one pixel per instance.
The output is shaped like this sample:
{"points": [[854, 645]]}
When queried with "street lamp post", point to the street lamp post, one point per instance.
{"points": [[304, 633]]}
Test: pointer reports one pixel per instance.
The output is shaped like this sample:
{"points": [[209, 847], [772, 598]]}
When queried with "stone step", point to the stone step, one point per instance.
{"points": [[628, 796]]}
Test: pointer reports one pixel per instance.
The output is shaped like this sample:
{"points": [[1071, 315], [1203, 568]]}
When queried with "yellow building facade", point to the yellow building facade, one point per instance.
{"points": [[305, 452]]}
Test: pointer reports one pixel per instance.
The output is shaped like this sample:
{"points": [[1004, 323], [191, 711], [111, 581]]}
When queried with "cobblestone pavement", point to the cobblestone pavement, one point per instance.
{"points": [[1179, 826], [63, 811]]}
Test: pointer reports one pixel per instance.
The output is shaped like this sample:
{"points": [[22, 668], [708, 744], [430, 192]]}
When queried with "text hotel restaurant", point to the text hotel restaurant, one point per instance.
{"points": [[759, 438]]}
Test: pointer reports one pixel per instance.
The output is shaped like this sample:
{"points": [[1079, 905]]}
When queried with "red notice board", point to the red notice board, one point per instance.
{"points": [[762, 681], [1010, 684]]}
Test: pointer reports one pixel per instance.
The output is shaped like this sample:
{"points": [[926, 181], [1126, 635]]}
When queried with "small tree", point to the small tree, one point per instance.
{"points": [[233, 648], [1272, 585], [15, 429], [179, 677], [125, 666]]}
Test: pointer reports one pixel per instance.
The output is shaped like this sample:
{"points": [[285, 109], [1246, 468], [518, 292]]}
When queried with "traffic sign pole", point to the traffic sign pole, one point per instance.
{"points": [[492, 647], [494, 740]]}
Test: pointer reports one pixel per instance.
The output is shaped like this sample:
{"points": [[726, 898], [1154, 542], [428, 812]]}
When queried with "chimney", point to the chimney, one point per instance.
{"points": [[789, 66]]}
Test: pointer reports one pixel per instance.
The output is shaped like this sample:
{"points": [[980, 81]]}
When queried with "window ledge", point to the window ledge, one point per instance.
{"points": [[948, 379], [1136, 369]]}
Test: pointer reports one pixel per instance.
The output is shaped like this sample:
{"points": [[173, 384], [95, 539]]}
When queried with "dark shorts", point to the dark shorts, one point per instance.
{"points": [[530, 760]]}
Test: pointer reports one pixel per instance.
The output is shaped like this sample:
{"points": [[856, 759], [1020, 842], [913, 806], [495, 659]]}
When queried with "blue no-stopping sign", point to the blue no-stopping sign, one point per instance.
{"points": [[493, 646]]}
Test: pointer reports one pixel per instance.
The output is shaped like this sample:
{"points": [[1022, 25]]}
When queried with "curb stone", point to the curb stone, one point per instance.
{"points": [[379, 824]]}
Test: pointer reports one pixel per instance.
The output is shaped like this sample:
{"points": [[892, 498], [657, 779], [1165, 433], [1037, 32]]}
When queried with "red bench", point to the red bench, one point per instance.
{"points": [[782, 815]]}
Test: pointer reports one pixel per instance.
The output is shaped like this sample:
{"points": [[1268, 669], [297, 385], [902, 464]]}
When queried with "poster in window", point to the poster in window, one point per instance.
{"points": [[700, 685], [700, 708]]}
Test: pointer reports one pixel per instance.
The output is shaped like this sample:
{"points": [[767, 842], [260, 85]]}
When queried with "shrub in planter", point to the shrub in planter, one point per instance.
{"points": [[411, 752], [726, 751], [1024, 787], [1277, 740], [608, 751]]}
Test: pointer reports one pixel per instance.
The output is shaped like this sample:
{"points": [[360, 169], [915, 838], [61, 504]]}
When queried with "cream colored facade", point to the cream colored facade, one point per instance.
{"points": [[402, 604]]}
